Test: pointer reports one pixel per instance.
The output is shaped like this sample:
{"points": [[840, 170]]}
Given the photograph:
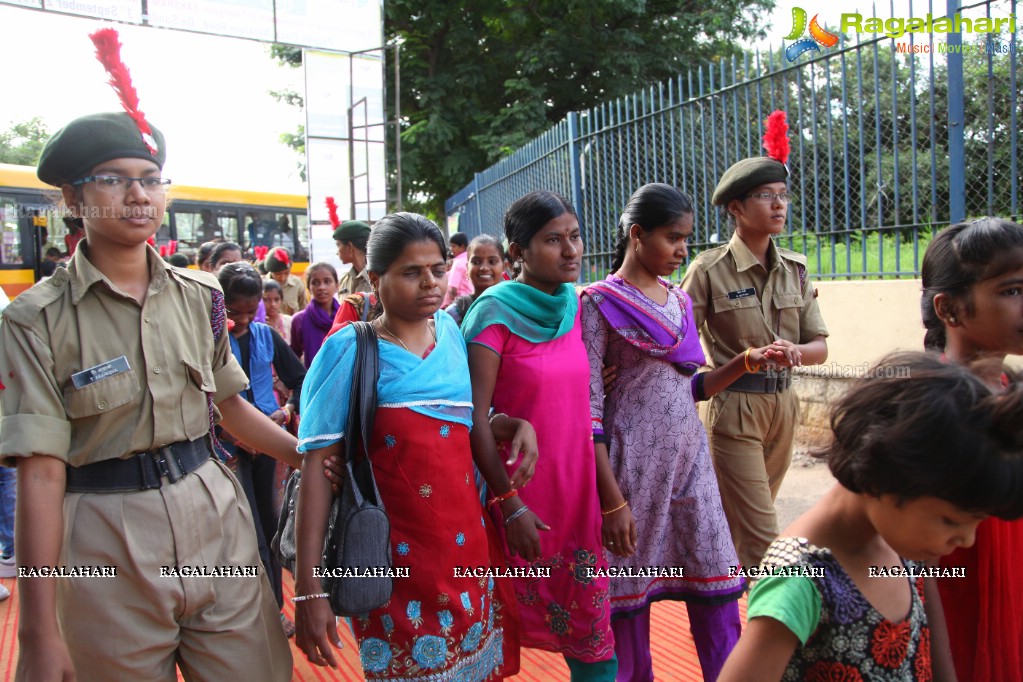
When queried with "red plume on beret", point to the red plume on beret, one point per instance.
{"points": [[108, 52], [260, 252], [282, 256], [776, 137], [332, 210]]}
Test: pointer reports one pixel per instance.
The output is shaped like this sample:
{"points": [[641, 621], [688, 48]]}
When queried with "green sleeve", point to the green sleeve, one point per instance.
{"points": [[794, 602]]}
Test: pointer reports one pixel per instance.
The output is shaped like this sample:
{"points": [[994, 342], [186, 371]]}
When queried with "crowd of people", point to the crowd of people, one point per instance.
{"points": [[546, 434]]}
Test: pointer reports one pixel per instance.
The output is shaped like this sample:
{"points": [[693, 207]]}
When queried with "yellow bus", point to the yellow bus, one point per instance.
{"points": [[31, 223]]}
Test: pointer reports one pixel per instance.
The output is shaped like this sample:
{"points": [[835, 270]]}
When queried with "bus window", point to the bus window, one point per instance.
{"points": [[10, 239], [197, 226], [260, 230], [300, 222]]}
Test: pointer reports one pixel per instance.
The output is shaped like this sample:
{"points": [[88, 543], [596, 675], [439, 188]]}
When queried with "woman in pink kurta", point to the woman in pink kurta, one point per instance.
{"points": [[527, 360]]}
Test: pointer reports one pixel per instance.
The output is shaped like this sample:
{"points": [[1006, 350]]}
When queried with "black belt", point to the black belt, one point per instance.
{"points": [[143, 471], [772, 381]]}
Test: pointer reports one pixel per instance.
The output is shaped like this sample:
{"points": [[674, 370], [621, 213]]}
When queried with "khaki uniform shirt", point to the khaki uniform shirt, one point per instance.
{"points": [[294, 296], [354, 283], [739, 304], [78, 320]]}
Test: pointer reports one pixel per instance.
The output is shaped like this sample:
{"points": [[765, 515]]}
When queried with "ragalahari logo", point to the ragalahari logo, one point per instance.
{"points": [[818, 36]]}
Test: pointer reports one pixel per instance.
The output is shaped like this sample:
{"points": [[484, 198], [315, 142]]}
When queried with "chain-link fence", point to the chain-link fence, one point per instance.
{"points": [[892, 138]]}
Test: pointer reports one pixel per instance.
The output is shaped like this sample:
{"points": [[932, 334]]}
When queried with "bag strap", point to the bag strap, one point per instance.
{"points": [[362, 411]]}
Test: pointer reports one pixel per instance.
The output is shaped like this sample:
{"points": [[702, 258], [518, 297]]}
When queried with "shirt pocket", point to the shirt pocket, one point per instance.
{"points": [[788, 306], [105, 395], [737, 321], [195, 414]]}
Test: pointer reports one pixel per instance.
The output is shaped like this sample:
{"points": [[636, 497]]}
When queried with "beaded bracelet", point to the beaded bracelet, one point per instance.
{"points": [[612, 511], [516, 514], [495, 416], [306, 597], [749, 369], [501, 498]]}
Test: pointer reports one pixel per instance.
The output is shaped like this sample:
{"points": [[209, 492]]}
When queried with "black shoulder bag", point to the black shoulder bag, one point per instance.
{"points": [[357, 548]]}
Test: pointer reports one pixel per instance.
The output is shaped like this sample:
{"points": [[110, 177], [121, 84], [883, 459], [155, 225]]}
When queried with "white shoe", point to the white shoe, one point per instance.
{"points": [[4, 592], [8, 568]]}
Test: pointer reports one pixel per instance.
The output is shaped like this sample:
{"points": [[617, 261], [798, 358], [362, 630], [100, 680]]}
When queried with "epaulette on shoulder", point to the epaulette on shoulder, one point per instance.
{"points": [[794, 256], [201, 276], [710, 257], [26, 307]]}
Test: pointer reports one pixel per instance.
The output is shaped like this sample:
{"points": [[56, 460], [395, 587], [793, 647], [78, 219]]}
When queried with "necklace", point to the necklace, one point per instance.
{"points": [[398, 338]]}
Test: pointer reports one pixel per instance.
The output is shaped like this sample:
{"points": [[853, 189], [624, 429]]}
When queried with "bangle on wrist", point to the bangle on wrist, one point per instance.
{"points": [[516, 514], [751, 369], [307, 597], [514, 492], [612, 511], [495, 416]]}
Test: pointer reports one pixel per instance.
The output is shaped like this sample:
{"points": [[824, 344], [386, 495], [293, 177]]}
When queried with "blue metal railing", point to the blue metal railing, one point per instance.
{"points": [[888, 145]]}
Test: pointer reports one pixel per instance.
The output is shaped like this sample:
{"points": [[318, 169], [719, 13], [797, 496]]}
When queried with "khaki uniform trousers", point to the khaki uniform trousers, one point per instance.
{"points": [[751, 445], [139, 625]]}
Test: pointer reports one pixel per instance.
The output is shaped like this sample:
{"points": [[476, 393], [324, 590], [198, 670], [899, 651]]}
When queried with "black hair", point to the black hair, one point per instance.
{"points": [[73, 224], [959, 257], [651, 206], [322, 265], [916, 426], [239, 280], [531, 212], [459, 239], [219, 250], [487, 240], [180, 260], [273, 285], [53, 252], [360, 242], [203, 254], [395, 231]]}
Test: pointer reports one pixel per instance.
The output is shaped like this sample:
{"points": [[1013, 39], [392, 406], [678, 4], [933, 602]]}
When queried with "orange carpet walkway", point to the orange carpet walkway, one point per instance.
{"points": [[673, 650]]}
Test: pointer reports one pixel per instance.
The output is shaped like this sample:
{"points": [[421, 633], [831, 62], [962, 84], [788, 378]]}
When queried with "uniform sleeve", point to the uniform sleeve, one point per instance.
{"points": [[595, 338], [811, 322], [303, 296], [289, 368], [695, 284], [792, 601], [34, 420], [228, 375], [493, 337]]}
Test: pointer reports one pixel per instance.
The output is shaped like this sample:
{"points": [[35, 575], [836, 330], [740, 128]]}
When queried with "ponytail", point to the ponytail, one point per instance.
{"points": [[621, 246], [651, 206]]}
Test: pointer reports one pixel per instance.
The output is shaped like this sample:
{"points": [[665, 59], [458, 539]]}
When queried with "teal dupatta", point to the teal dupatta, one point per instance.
{"points": [[526, 311]]}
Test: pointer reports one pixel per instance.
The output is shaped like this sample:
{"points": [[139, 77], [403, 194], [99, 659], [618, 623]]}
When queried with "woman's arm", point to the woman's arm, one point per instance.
{"points": [[762, 653], [39, 522], [255, 430], [521, 533], [815, 351], [778, 354], [315, 625]]}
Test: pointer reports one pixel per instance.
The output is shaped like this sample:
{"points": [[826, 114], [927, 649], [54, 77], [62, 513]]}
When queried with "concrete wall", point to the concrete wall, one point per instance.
{"points": [[866, 320]]}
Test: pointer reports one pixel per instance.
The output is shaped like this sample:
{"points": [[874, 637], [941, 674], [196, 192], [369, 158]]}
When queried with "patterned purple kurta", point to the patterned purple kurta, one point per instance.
{"points": [[659, 455]]}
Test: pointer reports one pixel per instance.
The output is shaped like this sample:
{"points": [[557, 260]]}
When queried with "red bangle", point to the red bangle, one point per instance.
{"points": [[501, 498]]}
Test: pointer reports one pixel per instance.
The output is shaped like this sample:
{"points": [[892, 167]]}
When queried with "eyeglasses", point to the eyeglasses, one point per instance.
{"points": [[771, 197], [122, 185]]}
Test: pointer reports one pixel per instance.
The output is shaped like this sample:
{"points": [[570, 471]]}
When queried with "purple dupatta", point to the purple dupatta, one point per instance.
{"points": [[643, 324]]}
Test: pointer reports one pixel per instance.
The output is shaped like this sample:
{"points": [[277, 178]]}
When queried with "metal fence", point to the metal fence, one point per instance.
{"points": [[892, 139]]}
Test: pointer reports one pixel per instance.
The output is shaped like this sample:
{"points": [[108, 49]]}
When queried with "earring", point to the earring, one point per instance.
{"points": [[952, 321]]}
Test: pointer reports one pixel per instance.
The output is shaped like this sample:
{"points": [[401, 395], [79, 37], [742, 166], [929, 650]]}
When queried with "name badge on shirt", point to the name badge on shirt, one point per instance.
{"points": [[99, 372], [741, 293]]}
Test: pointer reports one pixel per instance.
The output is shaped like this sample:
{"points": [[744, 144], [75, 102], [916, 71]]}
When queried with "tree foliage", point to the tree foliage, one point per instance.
{"points": [[22, 143], [481, 78]]}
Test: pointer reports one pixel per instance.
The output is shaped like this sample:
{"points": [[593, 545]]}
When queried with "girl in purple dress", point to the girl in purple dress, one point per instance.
{"points": [[661, 509]]}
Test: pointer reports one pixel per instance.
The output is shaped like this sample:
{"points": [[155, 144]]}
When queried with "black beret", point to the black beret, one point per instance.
{"points": [[350, 230], [88, 141], [744, 175]]}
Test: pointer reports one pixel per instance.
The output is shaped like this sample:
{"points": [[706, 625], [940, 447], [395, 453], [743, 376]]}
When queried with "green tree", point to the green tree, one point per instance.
{"points": [[22, 142], [481, 78]]}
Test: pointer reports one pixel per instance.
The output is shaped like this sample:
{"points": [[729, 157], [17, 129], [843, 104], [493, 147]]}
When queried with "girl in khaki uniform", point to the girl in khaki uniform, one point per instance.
{"points": [[747, 294], [112, 368]]}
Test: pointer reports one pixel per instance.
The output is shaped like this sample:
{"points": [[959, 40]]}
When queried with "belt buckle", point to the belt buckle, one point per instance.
{"points": [[167, 464]]}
